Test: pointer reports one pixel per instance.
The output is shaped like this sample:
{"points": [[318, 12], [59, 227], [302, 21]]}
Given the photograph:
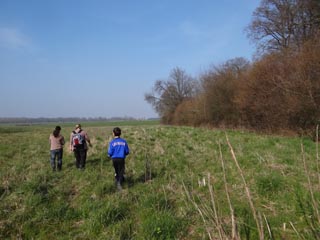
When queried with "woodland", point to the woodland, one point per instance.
{"points": [[278, 91]]}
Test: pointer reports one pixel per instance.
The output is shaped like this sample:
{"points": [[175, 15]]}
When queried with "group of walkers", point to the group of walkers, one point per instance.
{"points": [[79, 140]]}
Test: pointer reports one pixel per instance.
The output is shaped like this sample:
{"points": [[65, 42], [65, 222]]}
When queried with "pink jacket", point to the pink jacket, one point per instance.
{"points": [[56, 142]]}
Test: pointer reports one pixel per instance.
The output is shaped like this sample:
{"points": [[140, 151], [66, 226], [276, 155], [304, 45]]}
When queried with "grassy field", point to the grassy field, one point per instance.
{"points": [[181, 183]]}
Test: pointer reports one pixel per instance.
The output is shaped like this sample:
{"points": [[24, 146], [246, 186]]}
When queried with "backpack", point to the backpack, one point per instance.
{"points": [[77, 139]]}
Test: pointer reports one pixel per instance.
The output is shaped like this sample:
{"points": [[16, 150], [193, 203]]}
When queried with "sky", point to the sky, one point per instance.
{"points": [[98, 58]]}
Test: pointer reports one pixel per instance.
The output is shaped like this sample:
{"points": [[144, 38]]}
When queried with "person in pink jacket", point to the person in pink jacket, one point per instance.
{"points": [[78, 144], [56, 141]]}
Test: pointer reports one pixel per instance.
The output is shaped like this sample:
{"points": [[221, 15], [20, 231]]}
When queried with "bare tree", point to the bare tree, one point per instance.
{"points": [[281, 24], [219, 88], [167, 95]]}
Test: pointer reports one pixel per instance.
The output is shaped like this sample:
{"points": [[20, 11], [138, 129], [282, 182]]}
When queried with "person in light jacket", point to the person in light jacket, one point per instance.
{"points": [[56, 141], [78, 145]]}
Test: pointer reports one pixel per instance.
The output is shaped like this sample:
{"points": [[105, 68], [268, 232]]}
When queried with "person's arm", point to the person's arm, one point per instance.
{"points": [[126, 149], [110, 150], [71, 146], [62, 140], [86, 137]]}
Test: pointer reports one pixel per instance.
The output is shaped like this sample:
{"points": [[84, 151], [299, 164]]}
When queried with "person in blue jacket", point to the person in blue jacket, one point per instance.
{"points": [[117, 151]]}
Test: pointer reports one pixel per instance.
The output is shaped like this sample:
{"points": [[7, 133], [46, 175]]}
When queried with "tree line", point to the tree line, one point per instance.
{"points": [[30, 121], [278, 90]]}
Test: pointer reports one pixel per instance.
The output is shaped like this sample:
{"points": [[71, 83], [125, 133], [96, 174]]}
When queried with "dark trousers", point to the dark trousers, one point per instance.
{"points": [[81, 157], [119, 167]]}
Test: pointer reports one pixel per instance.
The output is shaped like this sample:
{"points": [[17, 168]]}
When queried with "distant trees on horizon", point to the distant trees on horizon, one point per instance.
{"points": [[279, 90], [27, 121]]}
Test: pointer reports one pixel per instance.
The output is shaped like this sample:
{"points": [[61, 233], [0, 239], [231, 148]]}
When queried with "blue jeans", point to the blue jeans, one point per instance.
{"points": [[56, 154]]}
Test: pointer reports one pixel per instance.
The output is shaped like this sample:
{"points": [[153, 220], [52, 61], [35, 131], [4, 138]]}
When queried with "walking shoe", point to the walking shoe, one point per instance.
{"points": [[119, 186]]}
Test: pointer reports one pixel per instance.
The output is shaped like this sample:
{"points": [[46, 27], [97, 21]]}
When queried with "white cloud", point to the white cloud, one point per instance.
{"points": [[13, 38]]}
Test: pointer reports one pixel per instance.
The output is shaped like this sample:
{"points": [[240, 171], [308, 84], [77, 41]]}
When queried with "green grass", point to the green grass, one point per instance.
{"points": [[167, 193]]}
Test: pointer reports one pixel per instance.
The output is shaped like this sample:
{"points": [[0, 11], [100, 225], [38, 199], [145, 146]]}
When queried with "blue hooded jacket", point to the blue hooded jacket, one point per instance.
{"points": [[118, 148]]}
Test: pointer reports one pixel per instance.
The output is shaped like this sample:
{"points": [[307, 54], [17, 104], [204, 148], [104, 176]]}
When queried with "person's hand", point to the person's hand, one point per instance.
{"points": [[90, 145]]}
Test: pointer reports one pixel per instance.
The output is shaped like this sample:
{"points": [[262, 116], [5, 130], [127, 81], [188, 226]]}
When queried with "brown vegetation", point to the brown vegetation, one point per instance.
{"points": [[278, 91]]}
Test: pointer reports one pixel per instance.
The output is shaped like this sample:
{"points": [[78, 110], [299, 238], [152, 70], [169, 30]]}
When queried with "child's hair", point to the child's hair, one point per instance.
{"points": [[117, 131], [56, 131]]}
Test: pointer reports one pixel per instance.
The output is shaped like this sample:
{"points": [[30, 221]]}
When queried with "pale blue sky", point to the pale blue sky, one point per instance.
{"points": [[97, 58]]}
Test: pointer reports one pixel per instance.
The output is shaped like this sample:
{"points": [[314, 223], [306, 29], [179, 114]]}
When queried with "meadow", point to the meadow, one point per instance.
{"points": [[181, 183]]}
